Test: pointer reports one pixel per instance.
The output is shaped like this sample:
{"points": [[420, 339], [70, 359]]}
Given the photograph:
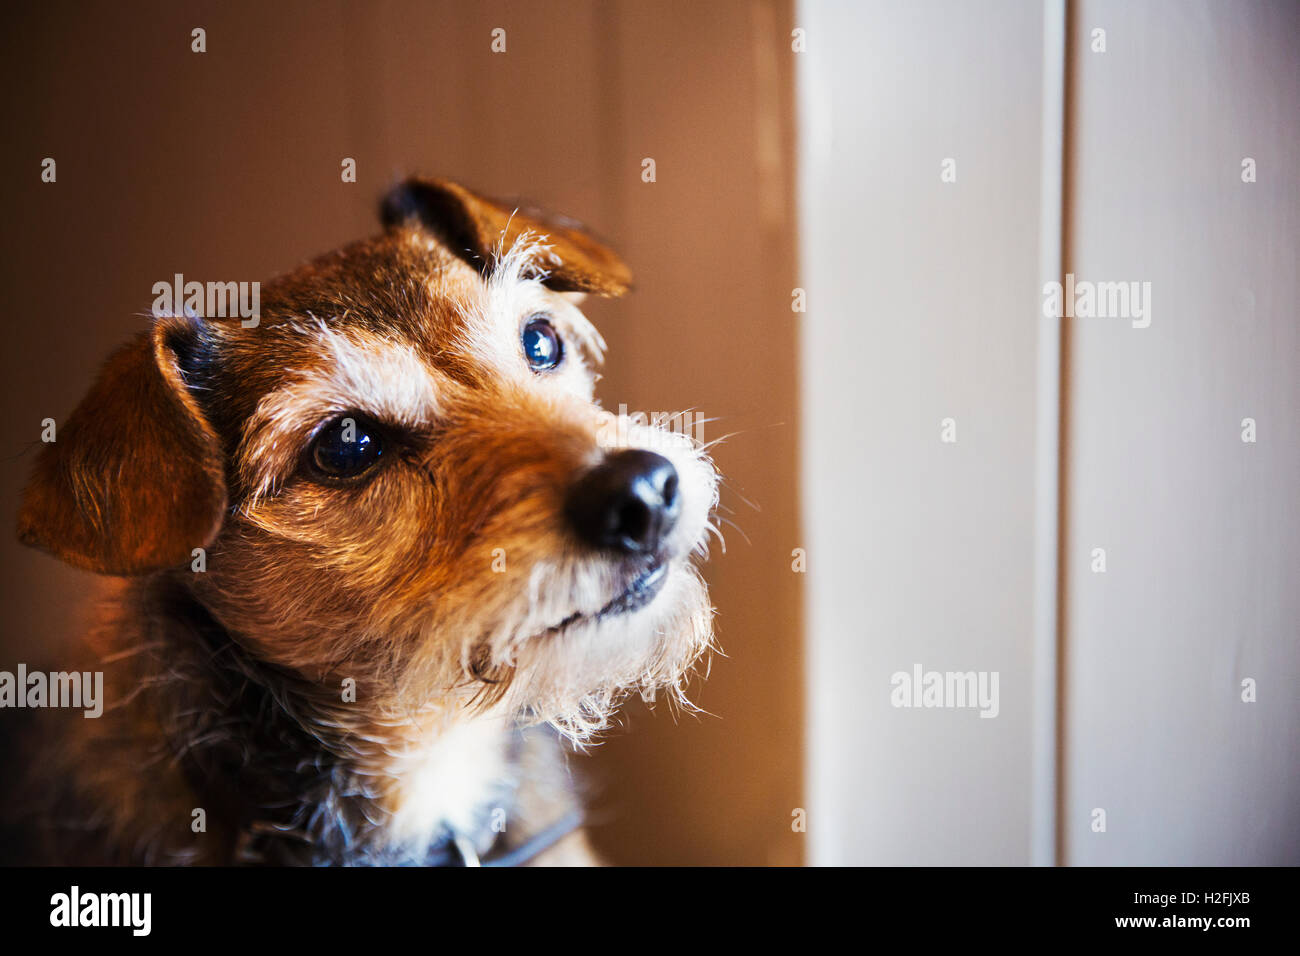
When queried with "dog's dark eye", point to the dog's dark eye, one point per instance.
{"points": [[346, 447], [542, 345]]}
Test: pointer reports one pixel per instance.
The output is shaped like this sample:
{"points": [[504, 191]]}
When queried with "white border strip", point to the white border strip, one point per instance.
{"points": [[813, 132], [1047, 454]]}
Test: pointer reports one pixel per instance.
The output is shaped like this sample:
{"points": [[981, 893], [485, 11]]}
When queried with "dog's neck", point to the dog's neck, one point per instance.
{"points": [[298, 775]]}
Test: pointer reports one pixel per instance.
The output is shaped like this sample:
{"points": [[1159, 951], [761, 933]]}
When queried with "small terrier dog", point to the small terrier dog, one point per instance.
{"points": [[376, 559]]}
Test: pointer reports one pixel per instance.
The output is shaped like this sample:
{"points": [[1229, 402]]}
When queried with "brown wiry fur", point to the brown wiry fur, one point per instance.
{"points": [[224, 688]]}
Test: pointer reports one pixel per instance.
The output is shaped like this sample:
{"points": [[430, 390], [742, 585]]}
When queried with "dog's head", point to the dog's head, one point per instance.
{"points": [[399, 474]]}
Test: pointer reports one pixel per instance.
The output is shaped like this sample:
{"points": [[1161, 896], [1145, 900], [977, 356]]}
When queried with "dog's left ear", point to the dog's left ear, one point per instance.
{"points": [[133, 481], [479, 229]]}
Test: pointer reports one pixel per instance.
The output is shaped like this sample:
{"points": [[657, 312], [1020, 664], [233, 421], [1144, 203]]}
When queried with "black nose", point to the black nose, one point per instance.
{"points": [[629, 502]]}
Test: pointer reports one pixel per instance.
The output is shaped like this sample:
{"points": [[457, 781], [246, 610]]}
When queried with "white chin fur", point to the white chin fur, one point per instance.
{"points": [[576, 678]]}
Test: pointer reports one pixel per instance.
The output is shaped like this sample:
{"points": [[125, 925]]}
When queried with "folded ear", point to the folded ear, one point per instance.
{"points": [[133, 480], [478, 230]]}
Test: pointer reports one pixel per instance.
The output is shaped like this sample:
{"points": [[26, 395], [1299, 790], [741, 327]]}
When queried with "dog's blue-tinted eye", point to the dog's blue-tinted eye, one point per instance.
{"points": [[346, 447], [542, 345]]}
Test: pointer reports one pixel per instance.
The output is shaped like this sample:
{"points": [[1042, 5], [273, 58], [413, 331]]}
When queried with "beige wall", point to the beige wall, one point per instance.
{"points": [[1120, 691], [1201, 531], [226, 165], [922, 297]]}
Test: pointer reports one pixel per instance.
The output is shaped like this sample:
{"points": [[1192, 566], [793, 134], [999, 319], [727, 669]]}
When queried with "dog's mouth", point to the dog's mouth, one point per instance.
{"points": [[641, 591]]}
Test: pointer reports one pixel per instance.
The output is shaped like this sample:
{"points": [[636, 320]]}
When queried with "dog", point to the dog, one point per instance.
{"points": [[379, 561]]}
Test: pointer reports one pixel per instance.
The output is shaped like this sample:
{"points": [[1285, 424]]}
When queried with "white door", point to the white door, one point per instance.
{"points": [[971, 465]]}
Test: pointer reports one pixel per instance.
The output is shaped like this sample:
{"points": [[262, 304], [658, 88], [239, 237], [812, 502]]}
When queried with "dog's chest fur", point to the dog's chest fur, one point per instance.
{"points": [[279, 775], [461, 780]]}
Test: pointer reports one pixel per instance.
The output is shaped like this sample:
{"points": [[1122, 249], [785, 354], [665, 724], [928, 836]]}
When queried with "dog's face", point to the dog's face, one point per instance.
{"points": [[400, 476]]}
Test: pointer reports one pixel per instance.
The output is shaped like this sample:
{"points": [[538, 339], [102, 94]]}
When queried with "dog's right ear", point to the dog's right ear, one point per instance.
{"points": [[479, 230], [133, 481]]}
